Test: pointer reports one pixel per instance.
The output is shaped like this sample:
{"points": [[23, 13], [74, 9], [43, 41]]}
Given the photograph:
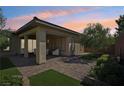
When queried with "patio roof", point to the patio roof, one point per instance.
{"points": [[36, 22]]}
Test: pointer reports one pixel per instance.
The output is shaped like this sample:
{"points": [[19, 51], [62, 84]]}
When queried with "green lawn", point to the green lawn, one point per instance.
{"points": [[9, 75], [52, 78]]}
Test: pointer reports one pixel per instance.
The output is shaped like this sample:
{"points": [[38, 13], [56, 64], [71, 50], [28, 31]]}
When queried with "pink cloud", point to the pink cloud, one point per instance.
{"points": [[79, 25], [17, 22]]}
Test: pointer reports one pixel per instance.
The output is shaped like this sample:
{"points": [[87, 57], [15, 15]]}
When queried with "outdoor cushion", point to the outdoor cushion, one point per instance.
{"points": [[55, 52]]}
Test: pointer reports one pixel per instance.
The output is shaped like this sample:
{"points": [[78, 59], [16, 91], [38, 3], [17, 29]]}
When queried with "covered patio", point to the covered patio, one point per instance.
{"points": [[50, 39]]}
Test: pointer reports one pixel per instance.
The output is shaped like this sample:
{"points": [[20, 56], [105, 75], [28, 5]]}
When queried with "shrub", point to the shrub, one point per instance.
{"points": [[90, 56], [4, 42], [5, 63], [104, 58], [108, 71]]}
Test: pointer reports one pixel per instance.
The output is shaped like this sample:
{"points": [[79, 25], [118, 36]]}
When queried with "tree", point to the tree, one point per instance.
{"points": [[4, 34], [120, 28], [3, 43], [4, 39], [97, 37], [2, 20]]}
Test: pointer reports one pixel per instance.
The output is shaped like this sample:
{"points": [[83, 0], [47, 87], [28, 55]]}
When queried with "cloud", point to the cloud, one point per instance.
{"points": [[79, 25], [17, 22], [75, 24]]}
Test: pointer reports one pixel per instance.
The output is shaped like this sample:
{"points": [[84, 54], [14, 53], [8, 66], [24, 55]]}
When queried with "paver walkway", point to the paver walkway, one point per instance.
{"points": [[75, 68]]}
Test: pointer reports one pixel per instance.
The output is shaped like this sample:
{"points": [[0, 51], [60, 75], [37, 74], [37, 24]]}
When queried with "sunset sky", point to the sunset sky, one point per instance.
{"points": [[75, 18]]}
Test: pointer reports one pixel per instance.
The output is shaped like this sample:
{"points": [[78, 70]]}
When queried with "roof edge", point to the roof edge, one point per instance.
{"points": [[35, 19]]}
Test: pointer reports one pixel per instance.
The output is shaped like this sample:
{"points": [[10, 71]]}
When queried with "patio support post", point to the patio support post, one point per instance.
{"points": [[77, 46], [77, 49], [25, 46], [63, 46], [18, 45], [15, 45], [12, 50], [67, 46], [40, 47]]}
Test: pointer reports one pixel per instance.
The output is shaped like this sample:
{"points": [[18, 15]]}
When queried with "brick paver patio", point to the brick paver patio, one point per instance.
{"points": [[73, 67]]}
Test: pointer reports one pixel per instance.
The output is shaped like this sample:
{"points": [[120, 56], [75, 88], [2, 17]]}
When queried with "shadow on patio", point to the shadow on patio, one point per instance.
{"points": [[76, 59], [21, 61]]}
